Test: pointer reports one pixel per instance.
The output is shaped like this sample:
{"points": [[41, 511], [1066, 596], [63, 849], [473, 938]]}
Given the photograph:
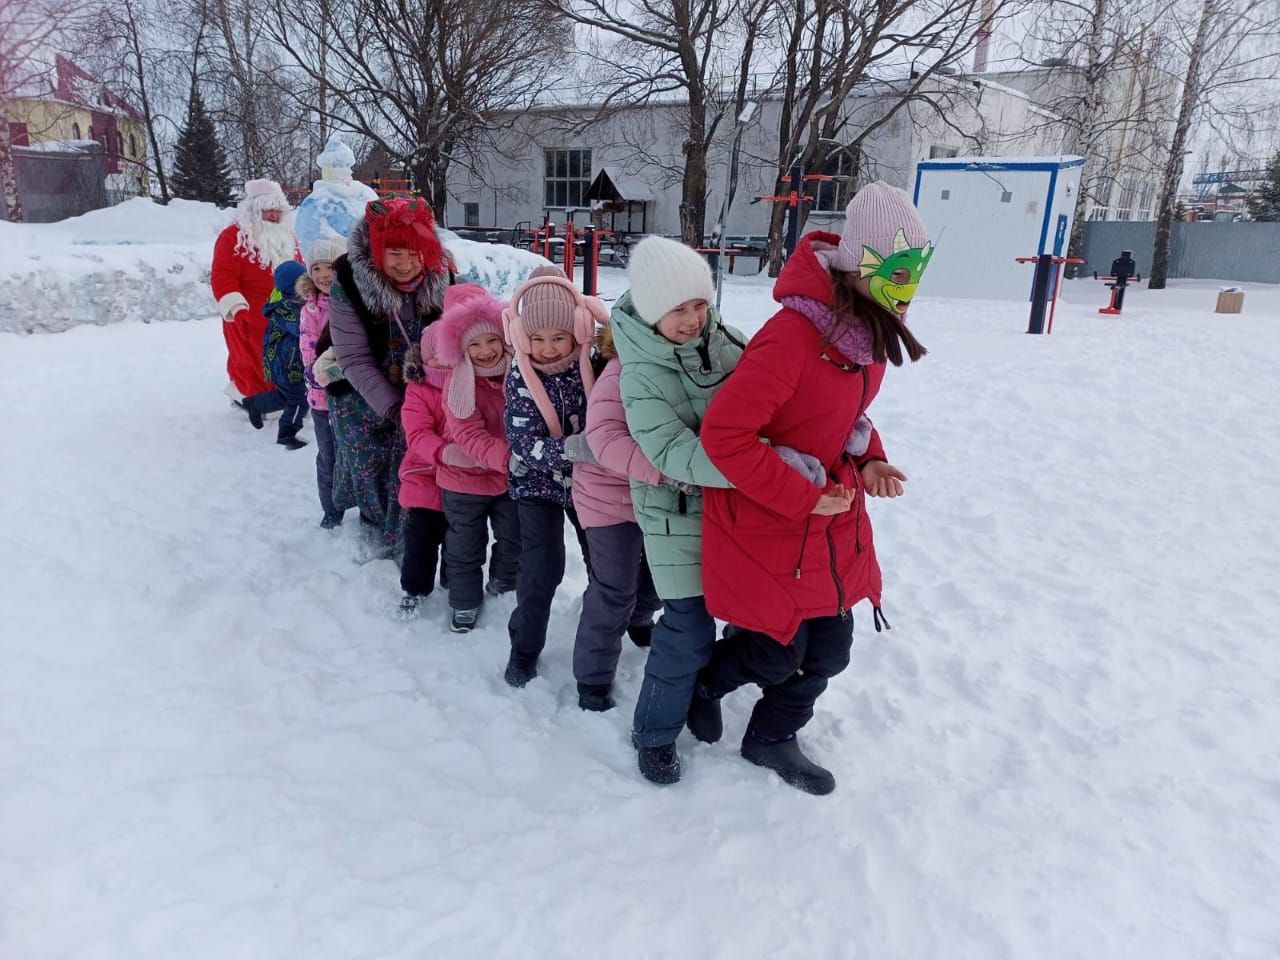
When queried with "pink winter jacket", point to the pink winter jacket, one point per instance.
{"points": [[483, 438], [424, 431], [602, 494], [314, 319]]}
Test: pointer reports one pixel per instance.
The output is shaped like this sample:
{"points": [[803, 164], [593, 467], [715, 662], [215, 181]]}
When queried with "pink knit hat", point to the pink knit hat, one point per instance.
{"points": [[874, 218], [266, 189], [416, 367], [470, 311], [548, 300]]}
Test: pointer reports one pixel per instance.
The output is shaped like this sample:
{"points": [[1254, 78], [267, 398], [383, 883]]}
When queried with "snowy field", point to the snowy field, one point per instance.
{"points": [[216, 743]]}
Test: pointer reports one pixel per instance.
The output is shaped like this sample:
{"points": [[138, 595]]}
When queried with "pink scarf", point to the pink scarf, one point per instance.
{"points": [[852, 336]]}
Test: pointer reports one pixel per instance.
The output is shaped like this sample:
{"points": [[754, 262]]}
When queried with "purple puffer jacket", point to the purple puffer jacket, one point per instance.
{"points": [[602, 494]]}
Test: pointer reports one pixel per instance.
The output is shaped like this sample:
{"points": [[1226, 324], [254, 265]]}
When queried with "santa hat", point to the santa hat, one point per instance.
{"points": [[548, 300], [664, 274], [405, 223], [326, 250], [469, 312], [265, 195], [874, 218]]}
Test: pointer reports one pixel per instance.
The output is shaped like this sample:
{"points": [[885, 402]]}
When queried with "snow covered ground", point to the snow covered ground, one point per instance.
{"points": [[215, 742]]}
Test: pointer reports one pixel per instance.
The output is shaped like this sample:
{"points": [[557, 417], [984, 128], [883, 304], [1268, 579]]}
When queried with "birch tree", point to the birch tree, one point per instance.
{"points": [[1228, 49]]}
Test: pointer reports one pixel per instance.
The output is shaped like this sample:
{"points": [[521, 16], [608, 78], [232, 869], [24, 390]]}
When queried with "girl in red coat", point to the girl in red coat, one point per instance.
{"points": [[787, 552]]}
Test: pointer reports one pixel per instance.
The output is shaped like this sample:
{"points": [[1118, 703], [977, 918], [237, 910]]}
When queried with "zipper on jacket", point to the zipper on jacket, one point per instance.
{"points": [[682, 503], [859, 493], [835, 575], [804, 542]]}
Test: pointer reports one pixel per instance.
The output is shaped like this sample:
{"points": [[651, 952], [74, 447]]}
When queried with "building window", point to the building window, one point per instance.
{"points": [[1147, 201], [567, 177], [1098, 212], [133, 146], [1124, 209], [471, 214], [832, 196], [91, 136], [941, 153], [75, 131]]}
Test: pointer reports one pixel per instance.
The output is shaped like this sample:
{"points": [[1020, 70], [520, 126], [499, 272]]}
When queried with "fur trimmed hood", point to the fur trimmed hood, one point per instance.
{"points": [[378, 291]]}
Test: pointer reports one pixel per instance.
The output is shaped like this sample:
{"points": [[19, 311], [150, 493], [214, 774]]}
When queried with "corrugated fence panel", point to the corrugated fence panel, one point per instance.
{"points": [[1205, 251]]}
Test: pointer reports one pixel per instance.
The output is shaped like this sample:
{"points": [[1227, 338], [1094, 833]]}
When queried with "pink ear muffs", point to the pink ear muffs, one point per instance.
{"points": [[587, 312]]}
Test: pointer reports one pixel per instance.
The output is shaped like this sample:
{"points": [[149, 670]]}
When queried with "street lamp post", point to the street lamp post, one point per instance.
{"points": [[744, 118]]}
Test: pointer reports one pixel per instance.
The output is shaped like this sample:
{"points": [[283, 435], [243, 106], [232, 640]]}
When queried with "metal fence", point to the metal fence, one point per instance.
{"points": [[1206, 250], [55, 185]]}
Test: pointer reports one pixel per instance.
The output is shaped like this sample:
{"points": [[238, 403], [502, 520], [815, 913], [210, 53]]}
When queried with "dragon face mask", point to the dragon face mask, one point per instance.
{"points": [[893, 280]]}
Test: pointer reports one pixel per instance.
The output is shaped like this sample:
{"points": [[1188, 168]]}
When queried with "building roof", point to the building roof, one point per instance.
{"points": [[611, 187], [72, 85]]}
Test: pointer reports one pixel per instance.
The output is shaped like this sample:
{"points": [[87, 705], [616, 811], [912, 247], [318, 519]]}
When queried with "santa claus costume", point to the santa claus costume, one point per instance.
{"points": [[244, 259]]}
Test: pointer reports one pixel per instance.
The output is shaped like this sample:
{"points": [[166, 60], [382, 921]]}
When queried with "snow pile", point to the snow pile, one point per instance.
{"points": [[135, 261], [216, 742], [497, 267], [143, 261]]}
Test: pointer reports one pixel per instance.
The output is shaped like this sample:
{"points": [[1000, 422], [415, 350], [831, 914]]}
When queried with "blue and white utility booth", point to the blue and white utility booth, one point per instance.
{"points": [[984, 212]]}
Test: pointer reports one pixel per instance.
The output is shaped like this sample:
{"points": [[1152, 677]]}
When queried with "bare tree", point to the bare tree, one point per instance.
{"points": [[28, 30], [837, 49], [424, 80], [126, 48], [1229, 49], [696, 54], [1099, 71]]}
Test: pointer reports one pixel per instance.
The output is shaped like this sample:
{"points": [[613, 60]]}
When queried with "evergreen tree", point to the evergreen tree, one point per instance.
{"points": [[1266, 206], [200, 168]]}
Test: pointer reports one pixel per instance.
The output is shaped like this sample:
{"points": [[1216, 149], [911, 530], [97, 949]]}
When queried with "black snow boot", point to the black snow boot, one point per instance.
{"points": [[251, 408], [641, 635], [704, 719], [287, 437], [596, 697], [785, 758], [659, 764], [496, 588], [521, 668]]}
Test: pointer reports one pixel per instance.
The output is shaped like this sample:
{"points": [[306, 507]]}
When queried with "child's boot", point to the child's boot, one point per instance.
{"points": [[521, 668], [408, 609], [596, 697], [786, 759], [641, 634], [659, 765], [287, 437], [463, 621], [704, 719]]}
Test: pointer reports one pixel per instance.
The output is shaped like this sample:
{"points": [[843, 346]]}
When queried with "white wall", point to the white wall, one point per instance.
{"points": [[978, 236]]}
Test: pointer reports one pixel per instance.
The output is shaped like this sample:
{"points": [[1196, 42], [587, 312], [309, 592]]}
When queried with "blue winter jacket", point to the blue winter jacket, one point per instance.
{"points": [[281, 349], [550, 475]]}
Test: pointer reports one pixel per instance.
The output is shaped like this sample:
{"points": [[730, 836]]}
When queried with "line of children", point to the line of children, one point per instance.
{"points": [[773, 437]]}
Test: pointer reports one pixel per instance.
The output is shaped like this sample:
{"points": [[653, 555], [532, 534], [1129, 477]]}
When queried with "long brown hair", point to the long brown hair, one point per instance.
{"points": [[888, 333]]}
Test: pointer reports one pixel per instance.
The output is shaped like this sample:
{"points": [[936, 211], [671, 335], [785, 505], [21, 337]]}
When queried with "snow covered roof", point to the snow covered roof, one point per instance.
{"points": [[63, 146]]}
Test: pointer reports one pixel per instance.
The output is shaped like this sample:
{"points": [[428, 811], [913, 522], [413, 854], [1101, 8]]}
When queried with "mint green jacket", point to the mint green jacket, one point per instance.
{"points": [[665, 390]]}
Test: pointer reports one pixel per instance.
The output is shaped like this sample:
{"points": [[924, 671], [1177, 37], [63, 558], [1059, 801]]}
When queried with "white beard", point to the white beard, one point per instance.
{"points": [[270, 244]]}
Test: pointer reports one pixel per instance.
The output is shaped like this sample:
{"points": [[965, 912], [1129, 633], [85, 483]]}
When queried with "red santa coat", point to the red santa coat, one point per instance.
{"points": [[767, 562], [241, 286]]}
